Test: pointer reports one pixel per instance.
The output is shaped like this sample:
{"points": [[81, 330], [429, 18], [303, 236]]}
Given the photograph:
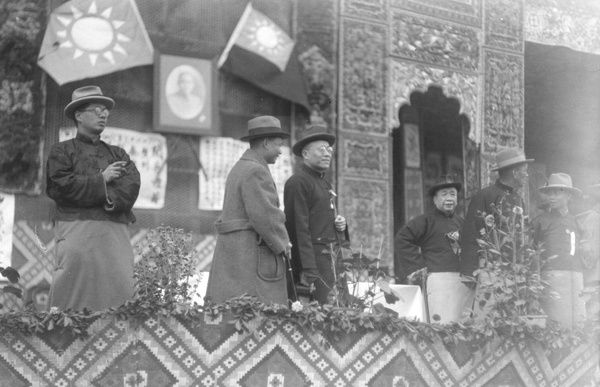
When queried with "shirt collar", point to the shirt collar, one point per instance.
{"points": [[312, 172], [503, 186], [82, 137]]}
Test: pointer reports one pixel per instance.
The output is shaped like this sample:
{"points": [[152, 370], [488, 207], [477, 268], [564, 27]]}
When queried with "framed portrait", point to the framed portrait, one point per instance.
{"points": [[185, 95]]}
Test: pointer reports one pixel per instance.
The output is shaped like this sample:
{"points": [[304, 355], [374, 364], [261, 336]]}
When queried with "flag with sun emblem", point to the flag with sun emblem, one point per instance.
{"points": [[260, 52], [86, 39]]}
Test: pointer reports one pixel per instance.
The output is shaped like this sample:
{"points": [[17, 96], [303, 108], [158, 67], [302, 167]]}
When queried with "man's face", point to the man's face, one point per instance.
{"points": [[558, 198], [186, 83], [317, 155], [89, 121], [520, 173], [273, 145], [446, 200]]}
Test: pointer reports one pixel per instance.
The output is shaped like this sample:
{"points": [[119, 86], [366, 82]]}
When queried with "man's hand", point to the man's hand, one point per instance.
{"points": [[340, 223], [288, 250], [308, 277], [114, 171]]}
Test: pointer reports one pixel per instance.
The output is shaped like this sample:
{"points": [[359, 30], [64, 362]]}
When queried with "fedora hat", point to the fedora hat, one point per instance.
{"points": [[87, 94], [559, 180], [264, 126], [511, 157], [312, 133], [445, 181]]}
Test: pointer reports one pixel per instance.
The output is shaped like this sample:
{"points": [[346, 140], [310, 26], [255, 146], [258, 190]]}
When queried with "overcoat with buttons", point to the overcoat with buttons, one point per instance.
{"points": [[251, 237]]}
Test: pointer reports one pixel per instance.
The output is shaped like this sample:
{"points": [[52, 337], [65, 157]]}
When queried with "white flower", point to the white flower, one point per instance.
{"points": [[54, 310], [297, 306], [518, 210], [489, 220]]}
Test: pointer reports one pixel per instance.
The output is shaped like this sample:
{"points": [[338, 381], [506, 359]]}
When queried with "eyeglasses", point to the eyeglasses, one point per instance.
{"points": [[325, 150], [98, 110]]}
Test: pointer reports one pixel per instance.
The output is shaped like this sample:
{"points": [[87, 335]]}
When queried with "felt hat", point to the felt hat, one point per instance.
{"points": [[559, 180], [511, 157], [311, 134], [445, 181], [264, 126], [87, 94]]}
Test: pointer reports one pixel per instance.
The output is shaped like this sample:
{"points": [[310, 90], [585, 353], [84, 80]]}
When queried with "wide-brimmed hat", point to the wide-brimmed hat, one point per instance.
{"points": [[445, 181], [559, 180], [87, 94], [264, 126], [511, 157], [312, 133]]}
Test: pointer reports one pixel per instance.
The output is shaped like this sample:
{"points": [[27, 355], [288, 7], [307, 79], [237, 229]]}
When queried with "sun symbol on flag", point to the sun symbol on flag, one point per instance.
{"points": [[92, 33], [267, 37]]}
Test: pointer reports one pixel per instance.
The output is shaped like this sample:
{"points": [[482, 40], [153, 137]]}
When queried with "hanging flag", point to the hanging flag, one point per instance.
{"points": [[86, 39], [260, 52]]}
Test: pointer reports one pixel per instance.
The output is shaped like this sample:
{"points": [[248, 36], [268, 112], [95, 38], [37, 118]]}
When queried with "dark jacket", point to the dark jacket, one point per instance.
{"points": [[251, 236], [481, 203], [425, 242], [558, 236], [74, 181]]}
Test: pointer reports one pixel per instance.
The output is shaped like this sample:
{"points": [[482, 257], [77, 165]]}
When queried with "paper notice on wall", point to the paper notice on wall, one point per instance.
{"points": [[7, 218], [149, 153], [218, 155]]}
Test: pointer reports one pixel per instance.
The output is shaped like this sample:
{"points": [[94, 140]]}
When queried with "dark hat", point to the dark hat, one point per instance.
{"points": [[87, 94], [311, 134], [510, 158], [559, 180], [444, 181], [264, 126]]}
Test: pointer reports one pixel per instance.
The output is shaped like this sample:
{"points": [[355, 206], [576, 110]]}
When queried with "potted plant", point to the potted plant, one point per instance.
{"points": [[509, 277]]}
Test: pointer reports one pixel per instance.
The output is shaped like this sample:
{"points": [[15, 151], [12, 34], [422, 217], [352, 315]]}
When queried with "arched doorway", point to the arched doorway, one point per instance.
{"points": [[432, 140]]}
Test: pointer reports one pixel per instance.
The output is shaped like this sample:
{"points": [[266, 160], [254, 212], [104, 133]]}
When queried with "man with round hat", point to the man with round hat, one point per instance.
{"points": [[94, 186], [511, 165], [558, 234], [251, 230], [432, 241], [312, 220]]}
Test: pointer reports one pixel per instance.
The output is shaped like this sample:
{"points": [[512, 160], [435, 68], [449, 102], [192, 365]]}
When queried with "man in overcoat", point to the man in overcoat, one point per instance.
{"points": [[251, 230], [504, 195], [311, 218]]}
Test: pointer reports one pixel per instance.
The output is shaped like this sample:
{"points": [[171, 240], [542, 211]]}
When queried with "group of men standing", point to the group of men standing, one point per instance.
{"points": [[265, 251]]}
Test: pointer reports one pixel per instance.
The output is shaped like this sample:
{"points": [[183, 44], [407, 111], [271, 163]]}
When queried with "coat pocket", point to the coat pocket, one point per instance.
{"points": [[270, 267]]}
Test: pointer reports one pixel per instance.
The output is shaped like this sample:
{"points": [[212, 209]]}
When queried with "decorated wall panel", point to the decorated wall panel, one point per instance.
{"points": [[462, 11], [569, 23], [409, 77], [503, 101], [369, 9], [366, 205], [364, 77], [170, 352], [435, 41], [504, 24], [366, 156]]}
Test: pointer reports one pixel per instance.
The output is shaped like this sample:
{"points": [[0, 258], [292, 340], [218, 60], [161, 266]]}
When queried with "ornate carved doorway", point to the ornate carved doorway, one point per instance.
{"points": [[432, 140]]}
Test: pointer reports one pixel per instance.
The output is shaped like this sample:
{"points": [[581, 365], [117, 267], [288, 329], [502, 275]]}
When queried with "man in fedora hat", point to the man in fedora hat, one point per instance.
{"points": [[252, 238], [558, 234], [311, 217], [94, 186], [511, 166], [431, 241]]}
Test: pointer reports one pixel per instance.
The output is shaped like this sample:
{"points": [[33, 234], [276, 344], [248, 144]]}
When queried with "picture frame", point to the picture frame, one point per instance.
{"points": [[185, 95]]}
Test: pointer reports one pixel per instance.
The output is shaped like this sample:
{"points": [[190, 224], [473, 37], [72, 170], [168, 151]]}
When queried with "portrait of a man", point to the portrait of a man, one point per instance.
{"points": [[185, 88]]}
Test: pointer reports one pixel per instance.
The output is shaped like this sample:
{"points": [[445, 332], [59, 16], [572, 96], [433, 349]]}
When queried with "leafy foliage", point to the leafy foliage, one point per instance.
{"points": [[13, 277]]}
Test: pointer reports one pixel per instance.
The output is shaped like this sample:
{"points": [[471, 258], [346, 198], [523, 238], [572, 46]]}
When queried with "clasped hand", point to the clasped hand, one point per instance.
{"points": [[114, 171]]}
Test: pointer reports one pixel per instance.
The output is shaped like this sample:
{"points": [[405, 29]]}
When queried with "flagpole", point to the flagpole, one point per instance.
{"points": [[235, 34]]}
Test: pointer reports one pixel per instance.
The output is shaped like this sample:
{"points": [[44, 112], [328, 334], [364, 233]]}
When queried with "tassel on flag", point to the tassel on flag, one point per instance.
{"points": [[89, 38], [260, 52]]}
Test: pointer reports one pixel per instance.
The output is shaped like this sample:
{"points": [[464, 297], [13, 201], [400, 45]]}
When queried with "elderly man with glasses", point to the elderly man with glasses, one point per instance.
{"points": [[311, 218], [94, 185]]}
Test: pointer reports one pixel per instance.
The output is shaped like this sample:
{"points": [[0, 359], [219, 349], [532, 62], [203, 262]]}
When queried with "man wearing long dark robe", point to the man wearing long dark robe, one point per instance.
{"points": [[94, 186], [431, 241]]}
